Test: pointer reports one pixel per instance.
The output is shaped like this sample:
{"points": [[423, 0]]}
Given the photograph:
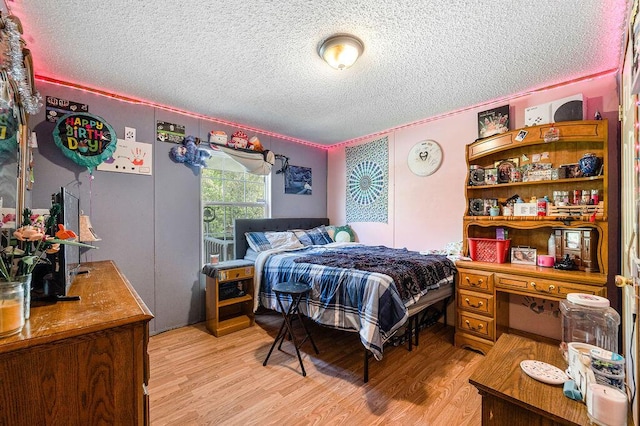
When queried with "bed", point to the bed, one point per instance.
{"points": [[370, 301]]}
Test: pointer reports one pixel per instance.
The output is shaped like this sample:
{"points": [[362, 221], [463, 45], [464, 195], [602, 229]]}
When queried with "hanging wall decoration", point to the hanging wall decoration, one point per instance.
{"points": [[130, 157], [20, 66], [368, 182], [56, 108], [297, 180], [169, 132], [85, 138]]}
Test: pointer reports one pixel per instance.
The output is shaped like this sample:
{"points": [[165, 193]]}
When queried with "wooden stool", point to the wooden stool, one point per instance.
{"points": [[296, 291]]}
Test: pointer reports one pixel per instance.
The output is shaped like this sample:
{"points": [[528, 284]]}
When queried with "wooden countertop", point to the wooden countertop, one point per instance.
{"points": [[579, 277], [107, 300], [500, 375]]}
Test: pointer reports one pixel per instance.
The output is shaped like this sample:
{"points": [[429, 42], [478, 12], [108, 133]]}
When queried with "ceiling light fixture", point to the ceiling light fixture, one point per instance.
{"points": [[341, 50]]}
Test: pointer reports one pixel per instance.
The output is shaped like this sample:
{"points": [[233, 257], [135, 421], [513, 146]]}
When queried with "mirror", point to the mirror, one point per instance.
{"points": [[10, 158]]}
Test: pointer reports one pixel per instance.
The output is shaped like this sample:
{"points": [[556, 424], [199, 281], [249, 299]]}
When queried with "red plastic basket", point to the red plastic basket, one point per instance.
{"points": [[489, 250]]}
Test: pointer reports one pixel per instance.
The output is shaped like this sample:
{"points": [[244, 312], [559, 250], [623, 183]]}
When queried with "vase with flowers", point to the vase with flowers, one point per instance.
{"points": [[29, 247]]}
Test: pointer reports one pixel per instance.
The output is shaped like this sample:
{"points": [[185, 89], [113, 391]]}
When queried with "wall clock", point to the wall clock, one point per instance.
{"points": [[425, 158]]}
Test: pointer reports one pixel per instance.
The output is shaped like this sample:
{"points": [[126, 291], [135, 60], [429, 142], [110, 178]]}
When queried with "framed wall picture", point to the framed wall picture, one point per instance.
{"points": [[524, 255]]}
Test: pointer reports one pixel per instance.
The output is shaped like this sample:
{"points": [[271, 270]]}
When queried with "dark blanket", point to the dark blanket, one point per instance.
{"points": [[413, 273]]}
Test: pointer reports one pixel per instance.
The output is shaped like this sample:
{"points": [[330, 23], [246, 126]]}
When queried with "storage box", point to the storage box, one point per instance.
{"points": [[488, 250], [525, 209]]}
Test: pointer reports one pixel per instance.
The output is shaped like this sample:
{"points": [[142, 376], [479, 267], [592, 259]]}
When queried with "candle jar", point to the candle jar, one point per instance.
{"points": [[577, 196], [11, 308]]}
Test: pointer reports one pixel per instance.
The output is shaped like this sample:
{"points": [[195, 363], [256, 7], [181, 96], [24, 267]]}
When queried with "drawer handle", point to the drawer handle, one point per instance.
{"points": [[472, 284], [541, 290], [479, 327], [479, 305]]}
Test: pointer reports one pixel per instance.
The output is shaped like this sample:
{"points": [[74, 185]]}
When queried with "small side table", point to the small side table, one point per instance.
{"points": [[296, 291], [229, 296], [511, 398]]}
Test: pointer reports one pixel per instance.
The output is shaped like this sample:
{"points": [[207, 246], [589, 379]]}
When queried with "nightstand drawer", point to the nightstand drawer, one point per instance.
{"points": [[475, 302], [475, 280], [544, 287], [235, 273], [475, 324]]}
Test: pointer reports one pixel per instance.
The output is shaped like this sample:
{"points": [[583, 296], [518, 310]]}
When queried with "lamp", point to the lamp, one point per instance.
{"points": [[341, 50], [87, 234]]}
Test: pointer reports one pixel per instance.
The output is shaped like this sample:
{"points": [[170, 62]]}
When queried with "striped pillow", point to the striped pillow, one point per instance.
{"points": [[315, 236]]}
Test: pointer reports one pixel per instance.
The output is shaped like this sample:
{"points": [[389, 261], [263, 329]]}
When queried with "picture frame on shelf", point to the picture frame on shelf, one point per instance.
{"points": [[571, 171], [524, 255], [488, 203], [491, 176], [505, 169], [493, 121]]}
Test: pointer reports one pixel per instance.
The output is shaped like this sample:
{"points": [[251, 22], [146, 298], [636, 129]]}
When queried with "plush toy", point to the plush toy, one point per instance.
{"points": [[189, 153], [239, 140], [254, 144]]}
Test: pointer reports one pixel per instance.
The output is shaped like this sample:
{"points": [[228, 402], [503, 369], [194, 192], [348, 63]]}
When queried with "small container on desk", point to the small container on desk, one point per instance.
{"points": [[229, 296]]}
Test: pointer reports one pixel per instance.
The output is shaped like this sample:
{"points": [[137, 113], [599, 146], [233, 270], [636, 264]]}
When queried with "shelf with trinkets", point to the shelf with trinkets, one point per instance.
{"points": [[518, 170]]}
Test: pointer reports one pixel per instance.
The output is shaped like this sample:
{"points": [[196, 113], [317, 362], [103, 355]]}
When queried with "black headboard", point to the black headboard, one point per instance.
{"points": [[261, 225]]}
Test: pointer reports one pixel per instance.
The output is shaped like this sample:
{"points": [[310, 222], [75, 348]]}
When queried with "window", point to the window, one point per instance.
{"points": [[228, 192]]}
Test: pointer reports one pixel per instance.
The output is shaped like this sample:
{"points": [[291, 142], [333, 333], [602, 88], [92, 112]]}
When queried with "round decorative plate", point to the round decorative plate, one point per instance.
{"points": [[476, 207], [476, 177], [425, 158], [546, 373]]}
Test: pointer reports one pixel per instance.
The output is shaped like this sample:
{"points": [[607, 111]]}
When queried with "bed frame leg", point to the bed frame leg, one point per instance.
{"points": [[366, 365]]}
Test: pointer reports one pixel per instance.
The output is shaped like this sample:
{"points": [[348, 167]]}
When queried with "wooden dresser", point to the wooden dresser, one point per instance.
{"points": [[80, 362]]}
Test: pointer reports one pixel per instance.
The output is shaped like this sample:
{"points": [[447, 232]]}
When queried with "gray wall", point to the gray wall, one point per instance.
{"points": [[150, 225]]}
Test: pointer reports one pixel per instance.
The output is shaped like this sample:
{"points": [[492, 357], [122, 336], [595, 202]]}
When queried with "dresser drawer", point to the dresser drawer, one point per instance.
{"points": [[235, 274], [545, 287], [475, 280], [475, 302], [475, 324]]}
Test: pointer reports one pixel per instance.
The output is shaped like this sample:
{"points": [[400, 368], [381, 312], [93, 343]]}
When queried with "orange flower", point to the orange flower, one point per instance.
{"points": [[29, 233]]}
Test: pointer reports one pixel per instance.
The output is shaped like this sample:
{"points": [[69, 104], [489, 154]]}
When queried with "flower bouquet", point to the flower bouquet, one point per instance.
{"points": [[29, 248], [32, 243]]}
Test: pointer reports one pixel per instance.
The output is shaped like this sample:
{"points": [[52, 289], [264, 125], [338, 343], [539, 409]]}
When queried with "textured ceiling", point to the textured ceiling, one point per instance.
{"points": [[255, 63]]}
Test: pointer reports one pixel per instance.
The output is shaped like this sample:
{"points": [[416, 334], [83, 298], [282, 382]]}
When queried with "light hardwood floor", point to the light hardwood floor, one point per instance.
{"points": [[198, 379]]}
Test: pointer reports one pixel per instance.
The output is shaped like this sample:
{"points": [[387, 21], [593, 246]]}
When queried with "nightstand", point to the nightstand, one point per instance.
{"points": [[229, 296]]}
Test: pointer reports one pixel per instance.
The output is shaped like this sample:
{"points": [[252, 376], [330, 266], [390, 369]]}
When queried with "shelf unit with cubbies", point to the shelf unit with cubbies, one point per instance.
{"points": [[480, 324]]}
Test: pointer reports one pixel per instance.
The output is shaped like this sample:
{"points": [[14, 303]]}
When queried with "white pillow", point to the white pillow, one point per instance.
{"points": [[261, 241]]}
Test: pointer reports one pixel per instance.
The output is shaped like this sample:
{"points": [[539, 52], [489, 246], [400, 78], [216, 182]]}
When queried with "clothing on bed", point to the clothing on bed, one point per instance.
{"points": [[350, 299]]}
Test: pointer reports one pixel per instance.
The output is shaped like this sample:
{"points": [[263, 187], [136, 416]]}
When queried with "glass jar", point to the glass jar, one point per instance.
{"points": [[11, 308], [589, 319]]}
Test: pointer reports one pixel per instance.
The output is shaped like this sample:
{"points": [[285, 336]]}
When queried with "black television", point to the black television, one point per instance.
{"points": [[68, 261]]}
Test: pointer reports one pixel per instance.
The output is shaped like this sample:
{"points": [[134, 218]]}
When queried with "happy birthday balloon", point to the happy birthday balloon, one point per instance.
{"points": [[85, 138]]}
